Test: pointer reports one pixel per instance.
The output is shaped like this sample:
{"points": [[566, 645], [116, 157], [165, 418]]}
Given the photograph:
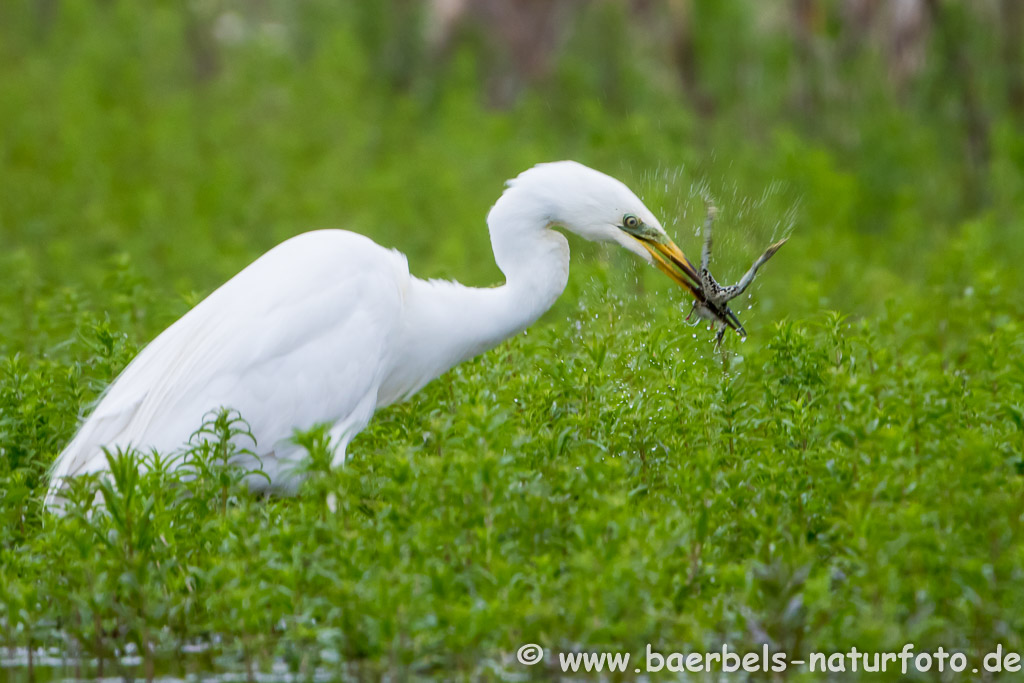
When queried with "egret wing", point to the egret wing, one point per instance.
{"points": [[295, 339]]}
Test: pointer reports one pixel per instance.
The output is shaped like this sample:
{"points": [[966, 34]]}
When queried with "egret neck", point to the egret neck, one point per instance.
{"points": [[449, 322]]}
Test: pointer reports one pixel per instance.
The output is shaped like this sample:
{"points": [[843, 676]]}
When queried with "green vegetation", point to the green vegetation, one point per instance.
{"points": [[849, 475]]}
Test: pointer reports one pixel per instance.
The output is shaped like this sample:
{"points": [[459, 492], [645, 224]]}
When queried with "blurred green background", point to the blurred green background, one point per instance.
{"points": [[190, 137], [850, 475]]}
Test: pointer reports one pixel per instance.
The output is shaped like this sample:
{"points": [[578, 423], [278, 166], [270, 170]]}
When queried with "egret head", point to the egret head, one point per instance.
{"points": [[596, 207]]}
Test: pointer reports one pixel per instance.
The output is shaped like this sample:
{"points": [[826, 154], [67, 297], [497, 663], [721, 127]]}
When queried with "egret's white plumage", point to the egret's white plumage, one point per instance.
{"points": [[329, 326]]}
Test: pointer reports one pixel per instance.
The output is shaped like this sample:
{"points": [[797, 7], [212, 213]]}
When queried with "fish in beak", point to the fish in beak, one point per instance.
{"points": [[711, 300]]}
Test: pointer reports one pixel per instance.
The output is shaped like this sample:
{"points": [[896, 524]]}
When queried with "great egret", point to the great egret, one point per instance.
{"points": [[328, 326]]}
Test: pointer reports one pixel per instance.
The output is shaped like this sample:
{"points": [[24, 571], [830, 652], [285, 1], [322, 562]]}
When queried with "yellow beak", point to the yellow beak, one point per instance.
{"points": [[671, 260]]}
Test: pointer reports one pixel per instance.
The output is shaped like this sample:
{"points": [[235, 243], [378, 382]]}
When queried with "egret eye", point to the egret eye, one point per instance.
{"points": [[630, 221]]}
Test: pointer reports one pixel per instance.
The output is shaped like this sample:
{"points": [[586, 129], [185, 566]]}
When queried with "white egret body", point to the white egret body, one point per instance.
{"points": [[328, 326]]}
